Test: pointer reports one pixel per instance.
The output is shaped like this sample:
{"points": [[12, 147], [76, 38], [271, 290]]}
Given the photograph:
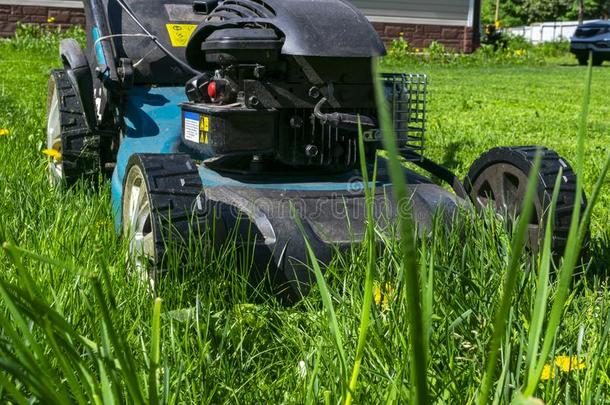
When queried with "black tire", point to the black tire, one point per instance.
{"points": [[76, 143], [597, 60], [499, 177], [178, 211], [583, 60]]}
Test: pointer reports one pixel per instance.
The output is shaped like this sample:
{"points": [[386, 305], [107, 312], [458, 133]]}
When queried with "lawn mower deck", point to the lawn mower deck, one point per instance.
{"points": [[261, 144]]}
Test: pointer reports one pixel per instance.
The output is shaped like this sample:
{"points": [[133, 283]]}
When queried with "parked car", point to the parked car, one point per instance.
{"points": [[592, 37]]}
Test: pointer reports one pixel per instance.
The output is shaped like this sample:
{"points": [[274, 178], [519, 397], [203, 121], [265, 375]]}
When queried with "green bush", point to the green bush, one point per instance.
{"points": [[512, 50], [34, 36]]}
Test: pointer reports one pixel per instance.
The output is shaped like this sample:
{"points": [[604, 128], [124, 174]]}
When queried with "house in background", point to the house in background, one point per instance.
{"points": [[45, 12], [454, 23]]}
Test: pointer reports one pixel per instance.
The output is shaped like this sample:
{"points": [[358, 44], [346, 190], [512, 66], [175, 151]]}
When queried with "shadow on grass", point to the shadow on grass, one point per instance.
{"points": [[576, 65], [598, 254], [449, 159]]}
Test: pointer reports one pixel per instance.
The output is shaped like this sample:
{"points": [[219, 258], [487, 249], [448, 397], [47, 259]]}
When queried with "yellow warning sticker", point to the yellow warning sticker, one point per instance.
{"points": [[180, 34], [204, 124], [204, 128]]}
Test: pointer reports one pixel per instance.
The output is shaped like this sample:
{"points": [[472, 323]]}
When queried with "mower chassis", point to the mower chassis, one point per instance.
{"points": [[330, 207]]}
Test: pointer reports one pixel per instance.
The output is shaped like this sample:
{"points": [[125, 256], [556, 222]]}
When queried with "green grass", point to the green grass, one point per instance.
{"points": [[78, 326]]}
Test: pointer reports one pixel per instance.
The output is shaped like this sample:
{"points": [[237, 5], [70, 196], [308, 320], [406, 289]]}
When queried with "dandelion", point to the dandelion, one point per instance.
{"points": [[381, 295], [498, 24], [569, 363], [547, 372], [4, 132], [565, 364], [378, 295], [520, 52], [51, 20], [52, 153], [416, 50]]}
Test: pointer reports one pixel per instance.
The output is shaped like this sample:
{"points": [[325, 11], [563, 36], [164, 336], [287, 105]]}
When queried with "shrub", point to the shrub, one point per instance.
{"points": [[34, 36], [510, 50]]}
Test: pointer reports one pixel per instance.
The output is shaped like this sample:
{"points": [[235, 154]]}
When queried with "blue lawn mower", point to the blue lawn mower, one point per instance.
{"points": [[240, 118]]}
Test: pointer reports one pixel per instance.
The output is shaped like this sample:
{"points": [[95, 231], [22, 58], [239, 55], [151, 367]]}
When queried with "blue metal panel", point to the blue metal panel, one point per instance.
{"points": [[152, 125], [99, 52]]}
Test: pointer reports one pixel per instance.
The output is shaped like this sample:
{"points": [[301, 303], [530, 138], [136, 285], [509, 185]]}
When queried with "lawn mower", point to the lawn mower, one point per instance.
{"points": [[243, 117]]}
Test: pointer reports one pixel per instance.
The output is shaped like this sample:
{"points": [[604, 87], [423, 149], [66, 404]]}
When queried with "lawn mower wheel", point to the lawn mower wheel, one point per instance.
{"points": [[163, 206], [499, 178], [74, 150]]}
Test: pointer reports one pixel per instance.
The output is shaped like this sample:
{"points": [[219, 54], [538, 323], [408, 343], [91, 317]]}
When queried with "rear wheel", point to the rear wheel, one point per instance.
{"points": [[583, 60], [163, 205], [499, 179], [73, 149]]}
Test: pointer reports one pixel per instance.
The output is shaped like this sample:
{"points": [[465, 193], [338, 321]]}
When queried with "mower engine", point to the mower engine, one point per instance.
{"points": [[285, 85]]}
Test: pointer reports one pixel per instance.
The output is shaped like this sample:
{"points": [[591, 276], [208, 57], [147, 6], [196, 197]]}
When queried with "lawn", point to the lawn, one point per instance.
{"points": [[219, 342]]}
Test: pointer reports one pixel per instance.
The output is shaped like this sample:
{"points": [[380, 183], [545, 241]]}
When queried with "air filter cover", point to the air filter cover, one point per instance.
{"points": [[242, 45]]}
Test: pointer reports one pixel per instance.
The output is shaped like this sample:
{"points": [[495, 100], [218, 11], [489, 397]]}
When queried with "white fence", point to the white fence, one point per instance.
{"points": [[546, 31]]}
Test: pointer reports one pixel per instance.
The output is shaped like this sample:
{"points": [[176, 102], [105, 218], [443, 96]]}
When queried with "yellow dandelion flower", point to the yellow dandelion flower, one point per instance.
{"points": [[416, 50], [566, 364], [547, 372], [520, 52], [51, 20], [52, 153], [382, 294], [4, 132], [498, 24], [569, 363], [377, 295]]}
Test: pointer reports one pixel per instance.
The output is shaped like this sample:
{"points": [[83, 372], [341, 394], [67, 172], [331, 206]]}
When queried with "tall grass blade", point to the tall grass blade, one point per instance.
{"points": [[542, 287], [510, 281], [121, 350], [576, 237], [408, 249], [370, 269], [597, 356], [326, 299], [155, 353]]}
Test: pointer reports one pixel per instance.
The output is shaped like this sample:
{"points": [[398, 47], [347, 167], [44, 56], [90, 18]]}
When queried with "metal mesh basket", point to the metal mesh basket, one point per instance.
{"points": [[406, 94]]}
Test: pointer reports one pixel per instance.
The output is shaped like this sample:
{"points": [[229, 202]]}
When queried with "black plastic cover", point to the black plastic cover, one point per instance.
{"points": [[242, 45], [152, 65], [324, 28], [332, 220]]}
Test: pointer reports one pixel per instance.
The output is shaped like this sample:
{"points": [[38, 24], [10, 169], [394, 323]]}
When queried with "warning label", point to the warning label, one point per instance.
{"points": [[180, 34], [204, 128], [191, 127]]}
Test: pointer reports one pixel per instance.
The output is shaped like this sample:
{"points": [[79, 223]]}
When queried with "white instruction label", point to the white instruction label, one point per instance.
{"points": [[191, 127]]}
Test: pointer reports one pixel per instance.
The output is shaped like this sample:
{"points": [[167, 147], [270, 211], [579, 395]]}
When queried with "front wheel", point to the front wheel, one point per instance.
{"points": [[73, 149], [163, 205], [499, 177]]}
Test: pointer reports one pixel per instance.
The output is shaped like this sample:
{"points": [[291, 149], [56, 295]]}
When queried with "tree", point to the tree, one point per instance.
{"points": [[523, 12]]}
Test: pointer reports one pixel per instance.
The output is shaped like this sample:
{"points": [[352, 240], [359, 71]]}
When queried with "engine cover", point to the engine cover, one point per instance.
{"points": [[322, 28]]}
